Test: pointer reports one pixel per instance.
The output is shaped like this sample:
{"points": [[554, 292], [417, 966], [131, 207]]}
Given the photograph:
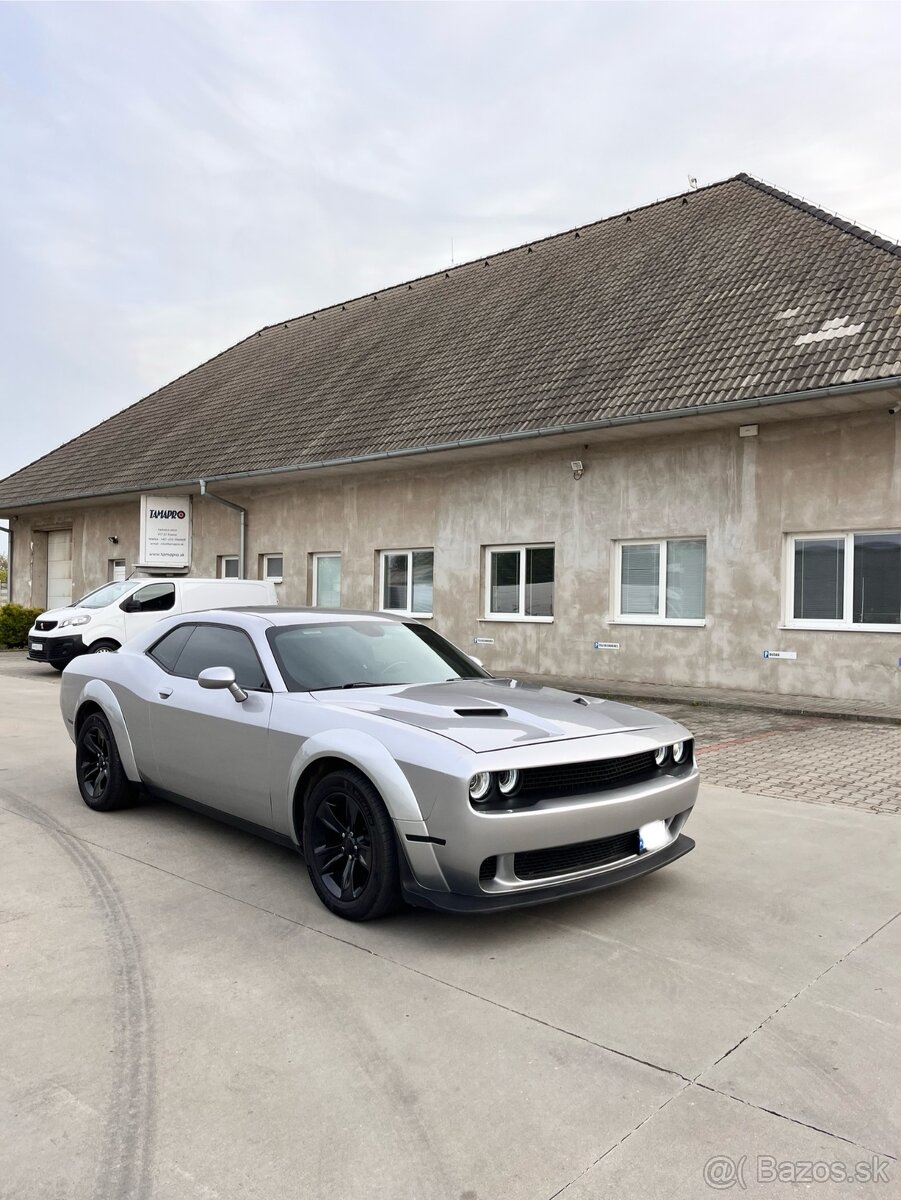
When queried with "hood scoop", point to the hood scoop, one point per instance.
{"points": [[481, 712]]}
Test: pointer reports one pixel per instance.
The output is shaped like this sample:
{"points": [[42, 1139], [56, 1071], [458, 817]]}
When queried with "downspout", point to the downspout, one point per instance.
{"points": [[8, 530], [243, 523]]}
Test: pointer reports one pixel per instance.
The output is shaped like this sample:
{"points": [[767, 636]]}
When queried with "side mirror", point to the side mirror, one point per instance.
{"points": [[478, 662], [130, 606], [221, 679]]}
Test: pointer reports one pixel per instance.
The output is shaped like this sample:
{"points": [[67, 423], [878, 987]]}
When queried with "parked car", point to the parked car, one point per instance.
{"points": [[390, 759], [107, 617]]}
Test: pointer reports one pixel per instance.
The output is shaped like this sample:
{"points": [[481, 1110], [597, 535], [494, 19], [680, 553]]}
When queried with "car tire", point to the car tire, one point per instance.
{"points": [[350, 847], [102, 781], [103, 647]]}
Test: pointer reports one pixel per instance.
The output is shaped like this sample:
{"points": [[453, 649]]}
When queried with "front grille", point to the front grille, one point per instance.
{"points": [[564, 860], [45, 625], [569, 779]]}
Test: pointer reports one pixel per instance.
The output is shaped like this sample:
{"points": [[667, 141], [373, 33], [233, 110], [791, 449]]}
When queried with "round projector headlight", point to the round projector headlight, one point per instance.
{"points": [[660, 755], [508, 782], [678, 751], [479, 786]]}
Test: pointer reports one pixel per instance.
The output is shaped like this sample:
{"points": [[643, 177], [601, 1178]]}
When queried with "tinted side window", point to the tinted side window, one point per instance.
{"points": [[156, 597], [216, 646], [168, 648]]}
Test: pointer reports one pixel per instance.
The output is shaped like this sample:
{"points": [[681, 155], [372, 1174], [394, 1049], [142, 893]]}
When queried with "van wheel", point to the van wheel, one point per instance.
{"points": [[103, 647]]}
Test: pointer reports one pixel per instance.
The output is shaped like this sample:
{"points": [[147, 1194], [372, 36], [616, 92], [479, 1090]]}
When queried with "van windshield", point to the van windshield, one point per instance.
{"points": [[102, 596]]}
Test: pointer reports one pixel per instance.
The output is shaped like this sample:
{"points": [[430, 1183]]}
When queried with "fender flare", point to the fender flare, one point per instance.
{"points": [[368, 755], [104, 633], [97, 692]]}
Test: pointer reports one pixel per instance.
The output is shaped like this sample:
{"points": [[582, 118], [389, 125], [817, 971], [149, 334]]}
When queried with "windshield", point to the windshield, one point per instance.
{"points": [[102, 596], [346, 654]]}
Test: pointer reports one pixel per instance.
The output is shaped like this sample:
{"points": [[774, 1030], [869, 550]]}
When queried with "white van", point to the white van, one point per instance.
{"points": [[105, 618]]}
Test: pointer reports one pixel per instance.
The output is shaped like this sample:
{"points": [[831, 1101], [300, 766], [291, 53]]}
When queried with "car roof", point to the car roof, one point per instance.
{"points": [[276, 615]]}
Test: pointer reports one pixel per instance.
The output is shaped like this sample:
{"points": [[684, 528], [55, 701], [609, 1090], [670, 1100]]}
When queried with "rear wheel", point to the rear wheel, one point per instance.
{"points": [[102, 781], [350, 849]]}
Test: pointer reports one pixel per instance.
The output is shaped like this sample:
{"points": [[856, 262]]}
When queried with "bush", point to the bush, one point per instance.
{"points": [[15, 621]]}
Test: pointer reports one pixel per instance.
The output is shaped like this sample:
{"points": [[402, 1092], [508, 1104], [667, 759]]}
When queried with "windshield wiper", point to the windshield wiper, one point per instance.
{"points": [[366, 683]]}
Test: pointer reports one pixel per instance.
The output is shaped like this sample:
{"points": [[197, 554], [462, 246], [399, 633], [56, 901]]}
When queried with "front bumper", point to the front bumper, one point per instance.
{"points": [[55, 650], [422, 897]]}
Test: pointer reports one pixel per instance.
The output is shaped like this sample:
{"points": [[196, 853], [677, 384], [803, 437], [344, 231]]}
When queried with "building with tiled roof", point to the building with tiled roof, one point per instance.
{"points": [[723, 364]]}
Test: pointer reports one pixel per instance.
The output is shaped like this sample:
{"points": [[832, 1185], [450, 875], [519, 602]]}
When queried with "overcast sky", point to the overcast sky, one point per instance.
{"points": [[174, 176]]}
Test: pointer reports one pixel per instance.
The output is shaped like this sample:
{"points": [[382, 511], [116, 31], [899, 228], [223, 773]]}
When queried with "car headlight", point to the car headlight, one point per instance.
{"points": [[678, 751], [660, 755], [73, 621], [508, 782], [479, 786]]}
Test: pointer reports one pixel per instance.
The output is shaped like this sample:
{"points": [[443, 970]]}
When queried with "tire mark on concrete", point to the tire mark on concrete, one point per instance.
{"points": [[124, 1169]]}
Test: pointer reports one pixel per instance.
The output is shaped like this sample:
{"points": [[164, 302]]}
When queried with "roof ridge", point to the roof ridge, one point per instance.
{"points": [[840, 223]]}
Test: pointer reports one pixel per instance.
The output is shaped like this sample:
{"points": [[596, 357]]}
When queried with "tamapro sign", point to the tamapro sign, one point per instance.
{"points": [[165, 531]]}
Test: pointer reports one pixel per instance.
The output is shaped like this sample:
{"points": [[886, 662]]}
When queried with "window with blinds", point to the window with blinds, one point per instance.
{"points": [[662, 582], [844, 581]]}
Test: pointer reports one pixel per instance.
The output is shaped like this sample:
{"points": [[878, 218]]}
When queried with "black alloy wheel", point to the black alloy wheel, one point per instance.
{"points": [[350, 848], [102, 781]]}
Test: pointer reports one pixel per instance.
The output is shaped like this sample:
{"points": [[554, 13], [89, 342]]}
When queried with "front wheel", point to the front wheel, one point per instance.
{"points": [[102, 781], [350, 849], [107, 646]]}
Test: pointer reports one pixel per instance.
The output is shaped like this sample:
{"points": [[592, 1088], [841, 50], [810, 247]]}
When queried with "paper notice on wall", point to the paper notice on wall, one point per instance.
{"points": [[165, 531]]}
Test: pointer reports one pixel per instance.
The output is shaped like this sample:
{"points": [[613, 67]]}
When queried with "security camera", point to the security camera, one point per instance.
{"points": [[113, 539], [894, 411]]}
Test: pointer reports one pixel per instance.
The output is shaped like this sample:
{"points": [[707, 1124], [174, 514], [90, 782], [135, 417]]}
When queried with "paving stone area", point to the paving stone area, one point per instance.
{"points": [[818, 759]]}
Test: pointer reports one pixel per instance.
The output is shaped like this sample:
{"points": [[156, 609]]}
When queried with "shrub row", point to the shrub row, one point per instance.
{"points": [[15, 621]]}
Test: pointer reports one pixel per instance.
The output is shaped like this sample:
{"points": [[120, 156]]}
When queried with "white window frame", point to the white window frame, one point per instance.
{"points": [[266, 574], [660, 617], [845, 625], [114, 564], [317, 557], [408, 611], [223, 559], [521, 615]]}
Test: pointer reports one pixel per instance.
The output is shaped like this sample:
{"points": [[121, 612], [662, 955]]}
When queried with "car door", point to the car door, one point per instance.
{"points": [[146, 606], [207, 746]]}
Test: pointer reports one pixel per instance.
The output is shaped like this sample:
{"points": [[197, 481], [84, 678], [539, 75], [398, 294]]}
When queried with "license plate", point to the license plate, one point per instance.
{"points": [[37, 645]]}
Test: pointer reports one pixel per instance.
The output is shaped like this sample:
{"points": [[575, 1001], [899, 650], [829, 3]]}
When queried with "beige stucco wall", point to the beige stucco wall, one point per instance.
{"points": [[742, 494]]}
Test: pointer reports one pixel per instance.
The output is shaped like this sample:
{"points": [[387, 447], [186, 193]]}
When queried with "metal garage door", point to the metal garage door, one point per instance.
{"points": [[59, 568]]}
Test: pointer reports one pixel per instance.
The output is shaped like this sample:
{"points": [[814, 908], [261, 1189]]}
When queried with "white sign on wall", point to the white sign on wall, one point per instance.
{"points": [[780, 654], [165, 531]]}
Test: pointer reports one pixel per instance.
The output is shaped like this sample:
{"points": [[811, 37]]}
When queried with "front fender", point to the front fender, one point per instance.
{"points": [[368, 755], [98, 692], [104, 633]]}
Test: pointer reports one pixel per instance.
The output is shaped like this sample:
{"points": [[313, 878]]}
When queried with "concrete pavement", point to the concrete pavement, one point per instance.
{"points": [[181, 1018]]}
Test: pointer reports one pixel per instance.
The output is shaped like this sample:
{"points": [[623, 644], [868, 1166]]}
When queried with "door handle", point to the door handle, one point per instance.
{"points": [[165, 693]]}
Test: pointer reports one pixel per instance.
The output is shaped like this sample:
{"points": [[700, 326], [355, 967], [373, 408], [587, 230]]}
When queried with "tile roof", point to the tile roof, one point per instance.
{"points": [[730, 292]]}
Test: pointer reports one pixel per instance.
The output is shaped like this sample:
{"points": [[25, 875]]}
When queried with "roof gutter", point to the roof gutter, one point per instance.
{"points": [[574, 429], [242, 529]]}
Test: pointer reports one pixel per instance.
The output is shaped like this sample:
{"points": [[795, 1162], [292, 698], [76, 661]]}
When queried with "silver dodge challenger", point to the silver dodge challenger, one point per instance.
{"points": [[396, 765]]}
